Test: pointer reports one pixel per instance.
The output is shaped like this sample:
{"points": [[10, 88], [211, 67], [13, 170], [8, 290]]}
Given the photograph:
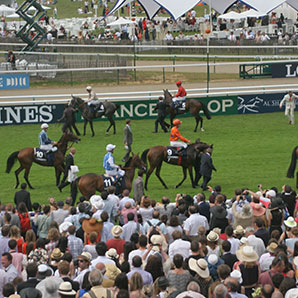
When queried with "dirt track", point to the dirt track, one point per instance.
{"points": [[153, 87]]}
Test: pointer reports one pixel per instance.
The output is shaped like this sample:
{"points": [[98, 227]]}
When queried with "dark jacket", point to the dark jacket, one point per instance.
{"points": [[23, 196], [161, 107], [218, 218], [229, 259], [30, 283], [206, 165], [290, 200], [204, 209], [264, 235]]}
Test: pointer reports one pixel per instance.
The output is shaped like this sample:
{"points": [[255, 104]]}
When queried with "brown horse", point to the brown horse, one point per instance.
{"points": [[192, 106], [90, 183], [158, 154], [26, 158], [292, 167]]}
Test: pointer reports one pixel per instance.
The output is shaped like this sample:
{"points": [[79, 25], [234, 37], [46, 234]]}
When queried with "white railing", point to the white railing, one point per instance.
{"points": [[147, 95]]}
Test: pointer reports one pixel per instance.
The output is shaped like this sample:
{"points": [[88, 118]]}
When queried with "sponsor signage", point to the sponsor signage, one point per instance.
{"points": [[285, 70], [14, 81], [263, 103]]}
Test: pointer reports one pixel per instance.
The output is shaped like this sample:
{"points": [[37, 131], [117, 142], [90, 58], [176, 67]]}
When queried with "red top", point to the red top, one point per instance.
{"points": [[118, 244], [176, 136], [181, 92]]}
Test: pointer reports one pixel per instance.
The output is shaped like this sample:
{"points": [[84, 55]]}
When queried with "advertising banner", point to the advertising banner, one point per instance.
{"points": [[14, 81], [285, 70]]}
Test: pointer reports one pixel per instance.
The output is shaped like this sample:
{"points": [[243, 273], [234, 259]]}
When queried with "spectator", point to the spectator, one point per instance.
{"points": [[137, 264], [23, 196], [43, 222], [9, 268], [75, 244]]}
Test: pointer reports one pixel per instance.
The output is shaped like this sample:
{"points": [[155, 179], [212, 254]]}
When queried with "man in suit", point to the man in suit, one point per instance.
{"points": [[204, 207], [206, 167], [161, 107], [127, 140], [69, 161], [32, 281], [23, 196], [229, 258], [138, 187]]}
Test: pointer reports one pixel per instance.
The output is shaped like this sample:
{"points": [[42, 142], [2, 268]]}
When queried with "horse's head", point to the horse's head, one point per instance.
{"points": [[69, 137], [201, 147], [167, 95], [75, 101], [137, 162]]}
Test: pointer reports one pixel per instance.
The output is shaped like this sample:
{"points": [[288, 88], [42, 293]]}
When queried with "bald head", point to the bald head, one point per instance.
{"points": [[127, 205], [73, 150], [232, 284], [101, 267]]}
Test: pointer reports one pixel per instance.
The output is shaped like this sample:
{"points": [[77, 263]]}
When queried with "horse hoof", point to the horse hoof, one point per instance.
{"points": [[202, 129], [177, 186]]}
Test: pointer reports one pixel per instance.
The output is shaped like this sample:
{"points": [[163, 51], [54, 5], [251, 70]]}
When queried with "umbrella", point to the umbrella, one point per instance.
{"points": [[5, 10], [251, 13], [232, 15], [121, 21]]}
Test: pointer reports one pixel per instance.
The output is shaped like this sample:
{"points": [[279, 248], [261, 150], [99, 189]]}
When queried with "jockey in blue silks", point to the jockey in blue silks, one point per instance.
{"points": [[109, 163], [45, 142]]}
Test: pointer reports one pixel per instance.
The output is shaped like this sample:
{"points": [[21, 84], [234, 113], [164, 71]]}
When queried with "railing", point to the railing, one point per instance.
{"points": [[148, 95]]}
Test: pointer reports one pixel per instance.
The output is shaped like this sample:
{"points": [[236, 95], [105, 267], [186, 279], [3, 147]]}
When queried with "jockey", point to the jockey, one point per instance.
{"points": [[180, 96], [44, 142], [109, 164], [92, 101], [176, 140]]}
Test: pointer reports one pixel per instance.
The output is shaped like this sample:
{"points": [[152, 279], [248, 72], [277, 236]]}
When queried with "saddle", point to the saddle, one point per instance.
{"points": [[44, 155], [176, 152]]}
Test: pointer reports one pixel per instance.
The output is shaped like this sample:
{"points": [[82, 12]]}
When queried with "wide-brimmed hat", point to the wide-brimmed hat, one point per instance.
{"points": [[239, 230], [247, 254], [92, 225], [257, 209], [157, 242], [290, 222], [246, 211], [237, 274], [112, 253], [217, 231], [277, 203], [292, 293], [272, 247], [212, 236], [295, 261], [117, 231], [243, 240], [57, 254], [200, 266], [85, 256], [44, 271], [219, 212], [112, 271], [49, 287], [65, 288], [162, 282], [97, 202], [64, 226]]}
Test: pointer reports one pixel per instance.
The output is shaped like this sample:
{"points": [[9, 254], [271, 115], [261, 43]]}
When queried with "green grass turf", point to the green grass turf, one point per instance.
{"points": [[248, 150]]}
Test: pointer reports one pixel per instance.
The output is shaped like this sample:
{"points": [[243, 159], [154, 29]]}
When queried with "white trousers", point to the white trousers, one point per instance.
{"points": [[119, 173], [174, 99], [48, 147], [289, 112], [178, 144]]}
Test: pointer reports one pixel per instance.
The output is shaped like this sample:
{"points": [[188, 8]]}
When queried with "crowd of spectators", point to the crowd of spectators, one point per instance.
{"points": [[114, 246]]}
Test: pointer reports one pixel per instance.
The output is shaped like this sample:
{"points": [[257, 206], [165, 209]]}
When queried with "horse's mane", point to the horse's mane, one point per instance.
{"points": [[128, 162]]}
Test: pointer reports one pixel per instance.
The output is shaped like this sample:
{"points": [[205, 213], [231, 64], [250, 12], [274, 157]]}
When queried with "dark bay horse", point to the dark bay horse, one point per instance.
{"points": [[109, 110], [158, 154], [26, 158], [292, 167], [90, 183], [192, 106]]}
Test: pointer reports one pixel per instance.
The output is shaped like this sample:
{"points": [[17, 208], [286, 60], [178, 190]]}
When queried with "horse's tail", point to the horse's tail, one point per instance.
{"points": [[204, 107], [144, 155], [11, 160], [292, 167]]}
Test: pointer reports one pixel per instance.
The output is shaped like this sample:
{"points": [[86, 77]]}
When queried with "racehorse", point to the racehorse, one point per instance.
{"points": [[109, 110], [192, 106], [292, 167], [90, 183], [26, 158], [158, 154]]}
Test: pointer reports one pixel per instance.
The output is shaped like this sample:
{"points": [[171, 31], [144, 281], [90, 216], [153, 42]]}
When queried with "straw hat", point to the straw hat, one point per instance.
{"points": [[239, 230], [112, 271], [257, 209], [243, 241], [212, 236], [65, 288], [157, 242], [92, 225], [112, 253], [85, 256], [57, 254], [272, 247], [247, 254], [200, 266], [290, 222], [117, 231]]}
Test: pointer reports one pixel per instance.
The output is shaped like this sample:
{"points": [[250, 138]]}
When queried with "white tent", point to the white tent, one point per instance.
{"points": [[232, 15], [6, 10], [251, 13], [219, 5], [264, 5], [32, 8], [293, 3], [121, 21]]}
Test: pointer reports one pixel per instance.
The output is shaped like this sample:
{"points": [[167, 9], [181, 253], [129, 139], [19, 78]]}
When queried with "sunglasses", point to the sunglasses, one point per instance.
{"points": [[82, 261]]}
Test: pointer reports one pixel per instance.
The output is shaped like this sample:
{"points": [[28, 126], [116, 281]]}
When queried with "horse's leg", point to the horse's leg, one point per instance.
{"points": [[58, 175], [85, 124], [17, 172], [184, 177], [26, 176], [108, 129], [157, 173], [191, 176], [91, 126], [76, 129], [197, 118], [201, 120]]}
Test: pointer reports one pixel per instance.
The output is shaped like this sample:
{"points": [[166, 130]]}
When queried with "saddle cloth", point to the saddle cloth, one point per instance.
{"points": [[172, 153], [40, 154], [108, 180], [180, 105]]}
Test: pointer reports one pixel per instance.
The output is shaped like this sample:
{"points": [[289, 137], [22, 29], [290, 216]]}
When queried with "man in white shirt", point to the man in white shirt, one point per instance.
{"points": [[101, 249], [9, 268], [125, 199], [255, 242], [84, 262], [140, 251], [195, 220], [179, 246], [290, 101], [131, 227], [235, 243]]}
